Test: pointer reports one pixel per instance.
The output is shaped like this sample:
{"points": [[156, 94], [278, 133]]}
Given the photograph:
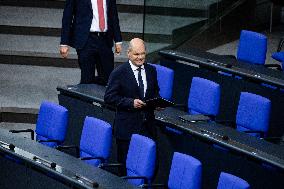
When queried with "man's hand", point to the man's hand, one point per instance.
{"points": [[138, 103], [118, 48], [64, 51]]}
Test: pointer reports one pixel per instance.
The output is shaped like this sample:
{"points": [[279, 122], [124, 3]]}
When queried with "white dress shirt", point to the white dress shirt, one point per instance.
{"points": [[95, 22], [143, 74]]}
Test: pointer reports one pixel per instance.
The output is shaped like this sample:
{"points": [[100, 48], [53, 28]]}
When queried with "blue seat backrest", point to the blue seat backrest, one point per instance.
{"points": [[228, 181], [52, 122], [252, 47], [96, 139], [279, 56], [253, 112], [141, 158], [165, 78], [185, 172], [204, 97]]}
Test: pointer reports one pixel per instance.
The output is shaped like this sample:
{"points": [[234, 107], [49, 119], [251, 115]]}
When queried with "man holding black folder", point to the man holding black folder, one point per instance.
{"points": [[129, 86]]}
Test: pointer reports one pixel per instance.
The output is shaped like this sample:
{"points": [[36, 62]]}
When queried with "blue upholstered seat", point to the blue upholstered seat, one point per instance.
{"points": [[51, 124], [228, 181], [204, 97], [252, 47], [253, 113], [141, 159], [165, 78], [185, 172], [96, 140], [279, 56]]}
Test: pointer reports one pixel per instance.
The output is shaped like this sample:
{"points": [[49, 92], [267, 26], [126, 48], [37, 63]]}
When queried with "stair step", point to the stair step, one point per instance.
{"points": [[197, 4], [26, 86], [44, 51], [190, 4], [45, 21]]}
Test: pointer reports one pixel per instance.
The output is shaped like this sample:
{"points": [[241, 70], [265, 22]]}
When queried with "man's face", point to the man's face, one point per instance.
{"points": [[137, 54]]}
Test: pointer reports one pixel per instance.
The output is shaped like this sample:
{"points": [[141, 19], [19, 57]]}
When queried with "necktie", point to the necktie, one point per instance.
{"points": [[141, 85], [101, 15]]}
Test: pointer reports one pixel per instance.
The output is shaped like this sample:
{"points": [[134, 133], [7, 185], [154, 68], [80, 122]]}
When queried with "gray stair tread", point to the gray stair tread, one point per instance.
{"points": [[155, 24], [129, 22], [25, 86], [31, 46], [190, 4], [42, 46], [31, 17], [18, 126]]}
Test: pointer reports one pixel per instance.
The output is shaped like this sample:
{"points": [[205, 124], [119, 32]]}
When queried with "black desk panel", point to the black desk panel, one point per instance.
{"points": [[254, 72], [29, 164], [195, 63], [226, 137], [259, 162]]}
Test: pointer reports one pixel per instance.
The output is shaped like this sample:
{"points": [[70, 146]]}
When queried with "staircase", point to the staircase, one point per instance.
{"points": [[30, 30]]}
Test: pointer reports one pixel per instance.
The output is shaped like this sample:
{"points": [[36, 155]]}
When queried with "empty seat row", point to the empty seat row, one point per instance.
{"points": [[95, 145], [185, 171], [253, 111]]}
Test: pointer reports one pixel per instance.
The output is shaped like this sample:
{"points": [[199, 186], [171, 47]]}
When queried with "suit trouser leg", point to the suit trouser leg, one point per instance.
{"points": [[95, 54], [106, 61], [122, 150]]}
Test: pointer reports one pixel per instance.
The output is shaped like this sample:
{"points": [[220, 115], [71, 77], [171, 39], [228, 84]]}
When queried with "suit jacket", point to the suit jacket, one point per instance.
{"points": [[77, 20], [121, 91]]}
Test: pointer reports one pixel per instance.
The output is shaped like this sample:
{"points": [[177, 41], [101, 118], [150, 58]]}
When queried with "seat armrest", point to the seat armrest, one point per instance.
{"points": [[49, 140], [275, 140], [154, 186], [136, 177], [233, 57], [181, 107], [277, 66], [253, 131], [77, 149], [105, 165], [90, 158], [229, 123], [25, 131]]}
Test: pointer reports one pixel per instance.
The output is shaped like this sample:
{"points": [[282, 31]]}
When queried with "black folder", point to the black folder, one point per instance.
{"points": [[158, 102], [194, 118]]}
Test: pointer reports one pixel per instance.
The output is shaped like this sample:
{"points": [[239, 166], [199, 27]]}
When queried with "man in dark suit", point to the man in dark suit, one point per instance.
{"points": [[129, 86], [91, 26]]}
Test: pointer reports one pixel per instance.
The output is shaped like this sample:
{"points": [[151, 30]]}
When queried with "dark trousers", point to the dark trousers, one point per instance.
{"points": [[95, 55], [122, 150]]}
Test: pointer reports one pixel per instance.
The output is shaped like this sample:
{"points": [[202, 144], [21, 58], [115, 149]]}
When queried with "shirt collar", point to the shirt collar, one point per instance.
{"points": [[134, 68]]}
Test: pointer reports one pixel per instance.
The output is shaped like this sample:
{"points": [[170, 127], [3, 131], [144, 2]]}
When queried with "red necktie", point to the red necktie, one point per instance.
{"points": [[101, 15]]}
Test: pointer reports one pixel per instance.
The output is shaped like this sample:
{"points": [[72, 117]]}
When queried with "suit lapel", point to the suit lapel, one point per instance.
{"points": [[90, 4]]}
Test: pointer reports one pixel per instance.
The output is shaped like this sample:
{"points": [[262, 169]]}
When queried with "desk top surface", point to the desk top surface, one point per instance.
{"points": [[90, 92], [213, 132], [67, 167], [223, 63], [226, 137]]}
